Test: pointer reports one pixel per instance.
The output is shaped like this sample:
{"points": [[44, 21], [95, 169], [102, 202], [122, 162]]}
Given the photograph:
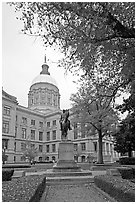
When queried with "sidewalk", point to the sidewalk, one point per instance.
{"points": [[75, 193]]}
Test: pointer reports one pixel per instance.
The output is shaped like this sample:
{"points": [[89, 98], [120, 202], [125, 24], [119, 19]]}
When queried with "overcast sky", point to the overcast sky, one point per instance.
{"points": [[22, 58]]}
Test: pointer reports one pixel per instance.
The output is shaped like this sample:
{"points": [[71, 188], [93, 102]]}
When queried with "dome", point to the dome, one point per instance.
{"points": [[44, 78]]}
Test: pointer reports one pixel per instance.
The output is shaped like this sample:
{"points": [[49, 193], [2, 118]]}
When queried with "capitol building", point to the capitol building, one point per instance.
{"points": [[38, 125]]}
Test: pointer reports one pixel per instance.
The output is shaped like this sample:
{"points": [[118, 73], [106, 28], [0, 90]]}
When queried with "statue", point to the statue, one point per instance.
{"points": [[64, 124]]}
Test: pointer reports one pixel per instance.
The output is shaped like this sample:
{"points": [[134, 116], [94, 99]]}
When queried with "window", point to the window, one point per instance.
{"points": [[83, 159], [53, 148], [48, 136], [83, 146], [23, 146], [47, 148], [32, 146], [48, 124], [54, 122], [32, 122], [53, 158], [75, 147], [24, 120], [54, 134], [5, 127], [15, 146], [22, 158], [40, 159], [82, 130], [6, 110], [75, 131], [40, 148], [24, 133], [95, 146], [14, 158], [32, 134], [5, 143], [16, 118], [49, 99], [107, 148], [41, 124], [40, 136], [15, 131]]}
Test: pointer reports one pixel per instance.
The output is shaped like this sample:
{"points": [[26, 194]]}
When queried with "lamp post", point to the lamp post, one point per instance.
{"points": [[4, 155]]}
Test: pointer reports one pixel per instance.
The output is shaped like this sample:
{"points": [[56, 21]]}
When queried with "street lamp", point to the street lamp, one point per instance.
{"points": [[4, 155]]}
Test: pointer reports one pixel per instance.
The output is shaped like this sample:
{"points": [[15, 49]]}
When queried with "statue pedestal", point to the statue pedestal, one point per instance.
{"points": [[66, 161]]}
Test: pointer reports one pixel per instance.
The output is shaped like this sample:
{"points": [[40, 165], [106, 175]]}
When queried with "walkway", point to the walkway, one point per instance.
{"points": [[75, 193]]}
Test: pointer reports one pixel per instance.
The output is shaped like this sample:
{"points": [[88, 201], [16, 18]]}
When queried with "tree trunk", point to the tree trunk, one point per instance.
{"points": [[130, 153], [100, 153]]}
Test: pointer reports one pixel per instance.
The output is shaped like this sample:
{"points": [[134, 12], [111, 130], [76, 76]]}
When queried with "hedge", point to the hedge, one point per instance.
{"points": [[120, 189], [7, 174], [127, 160], [24, 189]]}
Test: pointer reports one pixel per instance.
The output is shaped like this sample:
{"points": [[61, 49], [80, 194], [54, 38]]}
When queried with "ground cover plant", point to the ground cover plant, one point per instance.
{"points": [[120, 189], [24, 189]]}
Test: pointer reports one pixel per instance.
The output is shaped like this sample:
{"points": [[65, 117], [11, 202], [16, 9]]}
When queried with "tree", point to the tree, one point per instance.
{"points": [[29, 152], [93, 103], [125, 136], [80, 28]]}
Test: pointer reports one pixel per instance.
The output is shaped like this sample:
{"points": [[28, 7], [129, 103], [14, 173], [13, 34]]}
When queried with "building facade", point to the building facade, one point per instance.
{"points": [[38, 125]]}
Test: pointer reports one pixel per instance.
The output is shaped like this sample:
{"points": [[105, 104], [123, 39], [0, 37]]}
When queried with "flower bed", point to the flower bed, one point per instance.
{"points": [[24, 189], [120, 189]]}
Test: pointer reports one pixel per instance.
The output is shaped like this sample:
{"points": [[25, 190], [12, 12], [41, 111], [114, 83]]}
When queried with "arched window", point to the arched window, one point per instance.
{"points": [[53, 158]]}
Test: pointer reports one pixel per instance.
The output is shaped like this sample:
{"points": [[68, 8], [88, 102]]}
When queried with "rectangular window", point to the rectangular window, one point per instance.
{"points": [[95, 146], [54, 134], [107, 148], [75, 131], [47, 148], [82, 130], [83, 146], [15, 146], [16, 118], [24, 120], [15, 131], [48, 124], [5, 143], [48, 136], [23, 146], [24, 133], [53, 148], [40, 136], [6, 110], [32, 146], [40, 148], [75, 147], [32, 134], [41, 124], [54, 122], [5, 127], [32, 122]]}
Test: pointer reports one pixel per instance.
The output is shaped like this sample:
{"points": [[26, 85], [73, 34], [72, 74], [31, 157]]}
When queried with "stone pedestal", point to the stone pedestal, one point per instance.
{"points": [[66, 161]]}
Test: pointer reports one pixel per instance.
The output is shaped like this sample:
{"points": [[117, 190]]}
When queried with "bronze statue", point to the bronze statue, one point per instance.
{"points": [[64, 124]]}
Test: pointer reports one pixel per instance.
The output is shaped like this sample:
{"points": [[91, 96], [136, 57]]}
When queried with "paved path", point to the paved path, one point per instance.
{"points": [[75, 193]]}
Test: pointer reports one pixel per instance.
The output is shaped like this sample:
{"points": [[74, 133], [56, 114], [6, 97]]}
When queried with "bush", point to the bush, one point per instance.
{"points": [[127, 173], [24, 189], [120, 189], [7, 174], [127, 160], [17, 165]]}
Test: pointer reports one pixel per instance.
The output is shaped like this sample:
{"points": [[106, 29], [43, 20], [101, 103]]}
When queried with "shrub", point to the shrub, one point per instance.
{"points": [[127, 173], [7, 174], [24, 189], [127, 160], [120, 189]]}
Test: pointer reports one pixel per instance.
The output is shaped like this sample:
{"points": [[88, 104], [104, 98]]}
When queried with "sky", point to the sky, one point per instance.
{"points": [[22, 58]]}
